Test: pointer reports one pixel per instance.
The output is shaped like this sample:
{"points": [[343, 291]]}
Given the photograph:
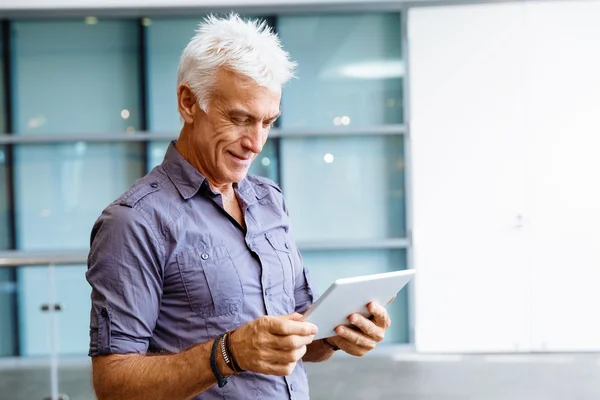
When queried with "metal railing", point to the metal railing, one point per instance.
{"points": [[20, 258]]}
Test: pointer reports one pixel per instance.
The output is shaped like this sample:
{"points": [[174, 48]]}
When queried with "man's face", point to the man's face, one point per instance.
{"points": [[230, 135]]}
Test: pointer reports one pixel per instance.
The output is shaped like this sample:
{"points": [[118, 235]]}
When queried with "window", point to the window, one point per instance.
{"points": [[349, 73], [344, 183], [81, 78]]}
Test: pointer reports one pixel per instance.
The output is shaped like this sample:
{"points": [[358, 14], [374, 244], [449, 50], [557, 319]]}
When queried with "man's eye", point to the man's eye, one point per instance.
{"points": [[239, 121]]}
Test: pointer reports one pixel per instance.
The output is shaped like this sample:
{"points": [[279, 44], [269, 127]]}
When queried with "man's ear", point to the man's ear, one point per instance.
{"points": [[187, 103]]}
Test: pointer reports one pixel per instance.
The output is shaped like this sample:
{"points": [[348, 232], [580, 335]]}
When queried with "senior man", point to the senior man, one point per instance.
{"points": [[198, 288]]}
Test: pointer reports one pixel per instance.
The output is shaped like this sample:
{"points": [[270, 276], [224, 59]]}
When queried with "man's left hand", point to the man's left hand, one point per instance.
{"points": [[359, 342]]}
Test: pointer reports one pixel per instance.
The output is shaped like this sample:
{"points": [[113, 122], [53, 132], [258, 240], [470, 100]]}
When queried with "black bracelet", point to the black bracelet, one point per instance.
{"points": [[213, 362], [331, 346], [236, 366]]}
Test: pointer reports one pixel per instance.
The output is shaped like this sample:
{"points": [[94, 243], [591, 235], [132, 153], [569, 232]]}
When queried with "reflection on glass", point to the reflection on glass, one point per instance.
{"points": [[345, 187], [327, 266], [350, 70], [82, 78]]}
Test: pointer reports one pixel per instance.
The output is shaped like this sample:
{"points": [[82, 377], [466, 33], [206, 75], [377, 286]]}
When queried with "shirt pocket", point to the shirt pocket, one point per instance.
{"points": [[211, 281], [281, 247]]}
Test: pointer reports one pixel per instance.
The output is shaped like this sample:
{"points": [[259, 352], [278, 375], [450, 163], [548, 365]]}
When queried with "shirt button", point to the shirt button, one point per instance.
{"points": [[287, 245], [204, 256], [292, 388], [104, 313], [154, 185]]}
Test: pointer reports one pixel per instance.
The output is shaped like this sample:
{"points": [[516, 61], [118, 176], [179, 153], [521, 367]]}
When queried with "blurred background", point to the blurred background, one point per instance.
{"points": [[459, 138]]}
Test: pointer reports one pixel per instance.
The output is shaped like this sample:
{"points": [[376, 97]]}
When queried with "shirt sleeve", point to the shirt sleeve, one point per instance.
{"points": [[125, 273]]}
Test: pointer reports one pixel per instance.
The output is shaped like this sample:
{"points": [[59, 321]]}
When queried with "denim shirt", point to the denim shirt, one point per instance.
{"points": [[169, 268]]}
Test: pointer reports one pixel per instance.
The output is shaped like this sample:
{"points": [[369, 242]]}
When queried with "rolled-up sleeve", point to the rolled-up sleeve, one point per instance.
{"points": [[125, 273]]}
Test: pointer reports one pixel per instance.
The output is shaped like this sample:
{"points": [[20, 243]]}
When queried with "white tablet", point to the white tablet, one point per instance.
{"points": [[351, 295]]}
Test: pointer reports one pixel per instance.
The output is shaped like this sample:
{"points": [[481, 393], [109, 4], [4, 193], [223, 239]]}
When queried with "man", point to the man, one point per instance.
{"points": [[198, 248]]}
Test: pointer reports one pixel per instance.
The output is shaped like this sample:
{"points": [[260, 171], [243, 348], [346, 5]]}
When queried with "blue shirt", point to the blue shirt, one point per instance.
{"points": [[170, 268]]}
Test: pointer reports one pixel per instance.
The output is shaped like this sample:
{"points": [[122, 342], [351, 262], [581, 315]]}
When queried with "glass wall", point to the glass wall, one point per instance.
{"points": [[343, 182], [82, 78], [349, 70], [344, 187]]}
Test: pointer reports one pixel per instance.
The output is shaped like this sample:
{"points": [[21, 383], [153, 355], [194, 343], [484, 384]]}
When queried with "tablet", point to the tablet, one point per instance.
{"points": [[351, 295]]}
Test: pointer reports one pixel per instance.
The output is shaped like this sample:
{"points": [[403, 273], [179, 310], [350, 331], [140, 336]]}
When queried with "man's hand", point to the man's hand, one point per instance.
{"points": [[370, 331], [272, 345]]}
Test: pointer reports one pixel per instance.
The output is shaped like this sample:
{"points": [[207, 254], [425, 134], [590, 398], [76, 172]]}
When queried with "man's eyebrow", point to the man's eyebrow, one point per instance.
{"points": [[240, 113], [276, 116], [236, 112]]}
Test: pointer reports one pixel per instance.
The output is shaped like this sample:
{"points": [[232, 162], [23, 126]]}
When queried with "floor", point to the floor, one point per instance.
{"points": [[385, 377]]}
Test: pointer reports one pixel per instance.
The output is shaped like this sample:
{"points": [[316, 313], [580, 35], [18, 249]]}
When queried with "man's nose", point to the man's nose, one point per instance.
{"points": [[254, 138]]}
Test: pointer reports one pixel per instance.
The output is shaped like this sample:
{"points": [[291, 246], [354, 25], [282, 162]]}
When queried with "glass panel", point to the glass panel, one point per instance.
{"points": [[82, 78], [327, 266], [72, 292], [4, 211], [357, 183], [350, 70], [156, 153], [7, 286], [166, 39], [266, 163], [6, 277], [77, 181]]}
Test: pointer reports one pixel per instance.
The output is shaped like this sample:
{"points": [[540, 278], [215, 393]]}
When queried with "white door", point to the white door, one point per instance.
{"points": [[467, 126], [563, 171]]}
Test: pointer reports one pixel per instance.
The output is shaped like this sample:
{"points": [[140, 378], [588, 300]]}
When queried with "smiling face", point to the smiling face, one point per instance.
{"points": [[222, 142]]}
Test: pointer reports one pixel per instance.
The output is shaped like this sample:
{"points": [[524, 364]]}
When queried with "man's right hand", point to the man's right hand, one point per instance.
{"points": [[272, 345]]}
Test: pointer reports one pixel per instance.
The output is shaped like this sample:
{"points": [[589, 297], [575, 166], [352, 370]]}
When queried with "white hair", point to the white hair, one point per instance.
{"points": [[249, 48]]}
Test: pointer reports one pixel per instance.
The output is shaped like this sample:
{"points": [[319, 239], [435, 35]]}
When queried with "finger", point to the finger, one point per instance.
{"points": [[348, 347], [285, 326], [367, 327], [283, 356], [292, 341], [380, 315], [295, 316], [277, 369], [356, 338]]}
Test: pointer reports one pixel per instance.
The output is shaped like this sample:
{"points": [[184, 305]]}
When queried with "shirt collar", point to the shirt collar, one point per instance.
{"points": [[184, 175], [188, 180]]}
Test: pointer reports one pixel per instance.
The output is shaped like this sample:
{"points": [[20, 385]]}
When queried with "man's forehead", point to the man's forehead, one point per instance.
{"points": [[243, 110]]}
